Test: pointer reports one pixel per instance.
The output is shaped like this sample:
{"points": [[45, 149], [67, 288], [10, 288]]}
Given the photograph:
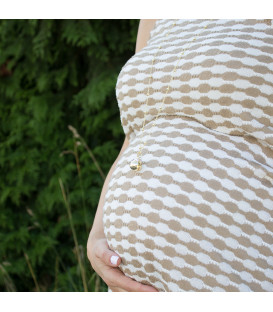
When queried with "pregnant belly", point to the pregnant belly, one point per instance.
{"points": [[199, 214]]}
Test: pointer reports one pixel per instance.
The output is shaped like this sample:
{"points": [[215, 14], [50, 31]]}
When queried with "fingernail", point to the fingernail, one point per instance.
{"points": [[114, 260]]}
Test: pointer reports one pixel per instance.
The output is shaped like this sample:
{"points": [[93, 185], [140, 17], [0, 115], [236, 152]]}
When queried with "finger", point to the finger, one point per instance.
{"points": [[117, 278], [117, 289], [108, 256]]}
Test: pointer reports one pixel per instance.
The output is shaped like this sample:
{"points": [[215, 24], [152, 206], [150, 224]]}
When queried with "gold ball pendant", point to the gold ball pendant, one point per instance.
{"points": [[135, 165]]}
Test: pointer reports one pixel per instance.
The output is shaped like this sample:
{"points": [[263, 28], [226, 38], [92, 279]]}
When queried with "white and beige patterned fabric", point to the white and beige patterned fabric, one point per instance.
{"points": [[199, 215]]}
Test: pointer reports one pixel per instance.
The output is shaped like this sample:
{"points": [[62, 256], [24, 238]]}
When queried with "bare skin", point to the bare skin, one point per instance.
{"points": [[98, 251]]}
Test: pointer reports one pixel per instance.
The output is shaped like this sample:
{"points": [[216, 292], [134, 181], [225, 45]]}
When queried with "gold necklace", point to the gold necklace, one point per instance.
{"points": [[136, 164]]}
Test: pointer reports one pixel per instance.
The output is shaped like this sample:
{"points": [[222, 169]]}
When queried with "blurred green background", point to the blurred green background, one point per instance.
{"points": [[60, 132]]}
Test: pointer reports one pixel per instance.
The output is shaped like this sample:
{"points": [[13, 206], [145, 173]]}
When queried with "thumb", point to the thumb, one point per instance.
{"points": [[109, 257], [115, 260]]}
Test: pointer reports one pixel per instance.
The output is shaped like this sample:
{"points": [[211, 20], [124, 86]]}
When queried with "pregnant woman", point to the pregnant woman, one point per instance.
{"points": [[188, 203]]}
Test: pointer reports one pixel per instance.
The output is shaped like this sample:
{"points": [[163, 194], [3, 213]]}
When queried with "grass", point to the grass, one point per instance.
{"points": [[95, 283], [80, 250], [67, 205]]}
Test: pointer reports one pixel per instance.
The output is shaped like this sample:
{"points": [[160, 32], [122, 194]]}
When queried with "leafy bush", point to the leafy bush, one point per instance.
{"points": [[53, 74]]}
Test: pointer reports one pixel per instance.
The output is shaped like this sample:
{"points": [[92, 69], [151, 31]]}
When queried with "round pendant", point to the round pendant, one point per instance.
{"points": [[135, 165]]}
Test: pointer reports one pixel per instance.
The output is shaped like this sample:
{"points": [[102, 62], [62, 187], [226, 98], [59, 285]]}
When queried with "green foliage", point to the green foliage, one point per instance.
{"points": [[55, 73]]}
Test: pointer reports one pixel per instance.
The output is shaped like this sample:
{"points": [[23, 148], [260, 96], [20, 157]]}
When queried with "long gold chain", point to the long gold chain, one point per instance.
{"points": [[136, 164]]}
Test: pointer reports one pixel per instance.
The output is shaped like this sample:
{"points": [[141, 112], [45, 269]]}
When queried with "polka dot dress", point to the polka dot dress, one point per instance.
{"points": [[199, 214]]}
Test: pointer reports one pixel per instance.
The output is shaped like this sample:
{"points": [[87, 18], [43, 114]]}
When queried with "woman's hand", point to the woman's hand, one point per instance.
{"points": [[100, 256]]}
